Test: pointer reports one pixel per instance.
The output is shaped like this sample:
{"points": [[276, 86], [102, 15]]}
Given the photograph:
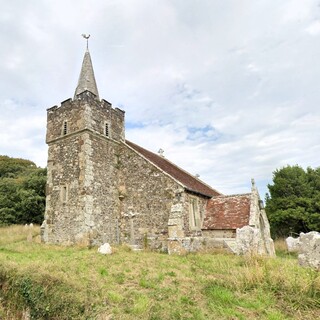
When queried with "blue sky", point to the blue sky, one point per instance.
{"points": [[228, 89]]}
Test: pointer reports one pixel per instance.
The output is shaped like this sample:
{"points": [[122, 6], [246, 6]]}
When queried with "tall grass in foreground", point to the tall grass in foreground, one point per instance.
{"points": [[52, 282]]}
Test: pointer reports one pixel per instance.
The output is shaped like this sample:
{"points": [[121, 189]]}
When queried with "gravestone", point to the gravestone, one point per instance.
{"points": [[310, 250], [105, 249], [293, 244]]}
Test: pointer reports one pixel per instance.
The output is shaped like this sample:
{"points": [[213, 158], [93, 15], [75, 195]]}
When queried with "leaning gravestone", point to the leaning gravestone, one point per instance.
{"points": [[310, 250]]}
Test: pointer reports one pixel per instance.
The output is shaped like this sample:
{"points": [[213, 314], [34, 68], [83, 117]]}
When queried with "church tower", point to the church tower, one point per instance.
{"points": [[84, 135]]}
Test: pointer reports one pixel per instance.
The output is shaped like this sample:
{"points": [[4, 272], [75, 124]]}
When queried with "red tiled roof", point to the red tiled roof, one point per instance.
{"points": [[227, 212], [185, 178]]}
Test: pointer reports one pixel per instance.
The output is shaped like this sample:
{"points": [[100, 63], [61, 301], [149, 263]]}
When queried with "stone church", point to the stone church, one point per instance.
{"points": [[104, 188]]}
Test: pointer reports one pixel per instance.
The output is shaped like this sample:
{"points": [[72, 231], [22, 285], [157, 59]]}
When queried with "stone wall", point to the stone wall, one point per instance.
{"points": [[101, 114], [147, 196], [69, 111], [85, 113], [82, 204], [64, 177], [102, 198], [183, 236], [219, 233]]}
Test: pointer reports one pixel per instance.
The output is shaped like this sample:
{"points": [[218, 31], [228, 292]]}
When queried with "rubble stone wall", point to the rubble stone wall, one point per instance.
{"points": [[219, 233], [64, 177], [147, 196], [82, 203], [101, 189]]}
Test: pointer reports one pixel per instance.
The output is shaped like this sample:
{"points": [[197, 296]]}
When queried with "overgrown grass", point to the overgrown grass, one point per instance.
{"points": [[18, 233], [52, 282], [281, 249]]}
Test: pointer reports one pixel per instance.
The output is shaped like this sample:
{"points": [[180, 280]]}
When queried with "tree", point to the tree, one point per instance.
{"points": [[11, 167], [293, 205], [22, 191]]}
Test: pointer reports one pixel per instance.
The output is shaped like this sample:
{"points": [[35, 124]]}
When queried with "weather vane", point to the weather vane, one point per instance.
{"points": [[86, 36]]}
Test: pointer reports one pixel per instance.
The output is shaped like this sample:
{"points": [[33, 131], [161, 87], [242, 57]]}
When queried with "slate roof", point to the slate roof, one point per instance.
{"points": [[186, 179], [227, 212]]}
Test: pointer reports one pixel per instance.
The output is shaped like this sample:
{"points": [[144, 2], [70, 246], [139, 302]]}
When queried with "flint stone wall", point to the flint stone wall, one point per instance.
{"points": [[147, 196], [219, 233], [59, 216], [82, 203]]}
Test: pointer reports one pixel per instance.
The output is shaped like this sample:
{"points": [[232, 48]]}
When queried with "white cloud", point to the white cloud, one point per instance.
{"points": [[314, 28], [228, 89], [22, 132]]}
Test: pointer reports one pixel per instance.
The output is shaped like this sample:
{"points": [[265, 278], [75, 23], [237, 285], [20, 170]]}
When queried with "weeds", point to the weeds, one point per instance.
{"points": [[53, 282]]}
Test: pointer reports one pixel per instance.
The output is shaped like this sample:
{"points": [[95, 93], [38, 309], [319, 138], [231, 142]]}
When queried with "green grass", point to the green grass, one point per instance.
{"points": [[54, 282]]}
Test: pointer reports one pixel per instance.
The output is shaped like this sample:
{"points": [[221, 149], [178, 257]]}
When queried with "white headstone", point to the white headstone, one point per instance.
{"points": [[293, 244], [105, 249], [310, 250]]}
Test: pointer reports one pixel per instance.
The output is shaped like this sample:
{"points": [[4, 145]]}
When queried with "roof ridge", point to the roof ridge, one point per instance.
{"points": [[232, 195]]}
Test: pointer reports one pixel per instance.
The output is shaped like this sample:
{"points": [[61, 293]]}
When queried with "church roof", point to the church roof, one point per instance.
{"points": [[87, 80], [186, 179], [227, 212]]}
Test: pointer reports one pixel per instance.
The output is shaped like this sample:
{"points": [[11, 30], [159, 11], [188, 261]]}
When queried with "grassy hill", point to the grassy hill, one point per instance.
{"points": [[51, 282]]}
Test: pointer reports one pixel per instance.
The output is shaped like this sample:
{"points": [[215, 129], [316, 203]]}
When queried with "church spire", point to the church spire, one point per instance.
{"points": [[87, 80]]}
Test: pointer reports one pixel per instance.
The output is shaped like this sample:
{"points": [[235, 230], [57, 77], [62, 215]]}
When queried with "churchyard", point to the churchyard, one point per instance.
{"points": [[39, 281]]}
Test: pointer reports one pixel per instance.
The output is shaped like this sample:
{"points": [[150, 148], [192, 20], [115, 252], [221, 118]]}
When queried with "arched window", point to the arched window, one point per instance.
{"points": [[194, 216]]}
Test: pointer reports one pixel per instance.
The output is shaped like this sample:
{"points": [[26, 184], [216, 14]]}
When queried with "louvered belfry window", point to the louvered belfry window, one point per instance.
{"points": [[107, 129], [65, 128]]}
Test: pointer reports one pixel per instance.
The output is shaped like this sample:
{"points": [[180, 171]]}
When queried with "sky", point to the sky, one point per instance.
{"points": [[228, 89]]}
